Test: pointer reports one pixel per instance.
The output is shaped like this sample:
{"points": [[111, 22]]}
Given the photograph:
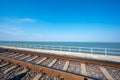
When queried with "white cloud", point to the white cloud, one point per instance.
{"points": [[16, 20], [26, 20]]}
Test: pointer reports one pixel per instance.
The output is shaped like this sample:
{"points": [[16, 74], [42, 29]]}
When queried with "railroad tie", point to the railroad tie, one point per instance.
{"points": [[9, 69], [54, 78], [83, 69], [9, 54], [2, 54], [106, 73], [38, 76], [13, 54], [23, 71], [20, 74], [52, 63], [18, 55], [32, 58], [41, 60], [24, 57], [65, 67], [4, 65]]}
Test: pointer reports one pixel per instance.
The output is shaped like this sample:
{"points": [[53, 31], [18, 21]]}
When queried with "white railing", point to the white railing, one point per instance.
{"points": [[89, 50]]}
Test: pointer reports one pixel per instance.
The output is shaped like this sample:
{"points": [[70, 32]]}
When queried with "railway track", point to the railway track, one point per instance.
{"points": [[77, 67], [17, 72]]}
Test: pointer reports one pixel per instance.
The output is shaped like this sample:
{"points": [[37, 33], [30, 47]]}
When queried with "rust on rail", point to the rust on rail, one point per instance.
{"points": [[65, 75]]}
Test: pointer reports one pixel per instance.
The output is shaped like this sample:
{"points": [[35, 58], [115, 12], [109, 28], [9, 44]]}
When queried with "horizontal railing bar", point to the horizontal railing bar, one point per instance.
{"points": [[86, 51], [105, 51], [68, 46], [99, 51], [113, 53]]}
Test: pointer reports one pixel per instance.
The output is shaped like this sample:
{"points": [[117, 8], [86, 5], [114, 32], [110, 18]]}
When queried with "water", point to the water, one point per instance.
{"points": [[113, 45]]}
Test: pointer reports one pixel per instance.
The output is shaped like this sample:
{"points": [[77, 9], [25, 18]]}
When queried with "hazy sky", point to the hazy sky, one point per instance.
{"points": [[60, 20]]}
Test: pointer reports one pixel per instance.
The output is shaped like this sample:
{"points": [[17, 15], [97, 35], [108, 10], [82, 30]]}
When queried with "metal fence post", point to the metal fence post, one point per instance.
{"points": [[91, 51], [69, 49], [53, 47], [105, 51], [46, 47], [40, 47], [60, 48], [79, 49], [28, 45]]}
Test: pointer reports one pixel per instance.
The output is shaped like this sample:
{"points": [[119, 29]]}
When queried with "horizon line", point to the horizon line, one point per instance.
{"points": [[57, 41]]}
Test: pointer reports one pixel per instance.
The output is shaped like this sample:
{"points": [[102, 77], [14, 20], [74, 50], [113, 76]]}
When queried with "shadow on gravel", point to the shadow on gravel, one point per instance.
{"points": [[18, 77]]}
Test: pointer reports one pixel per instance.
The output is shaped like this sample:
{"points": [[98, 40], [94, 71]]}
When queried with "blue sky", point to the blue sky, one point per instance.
{"points": [[60, 20]]}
